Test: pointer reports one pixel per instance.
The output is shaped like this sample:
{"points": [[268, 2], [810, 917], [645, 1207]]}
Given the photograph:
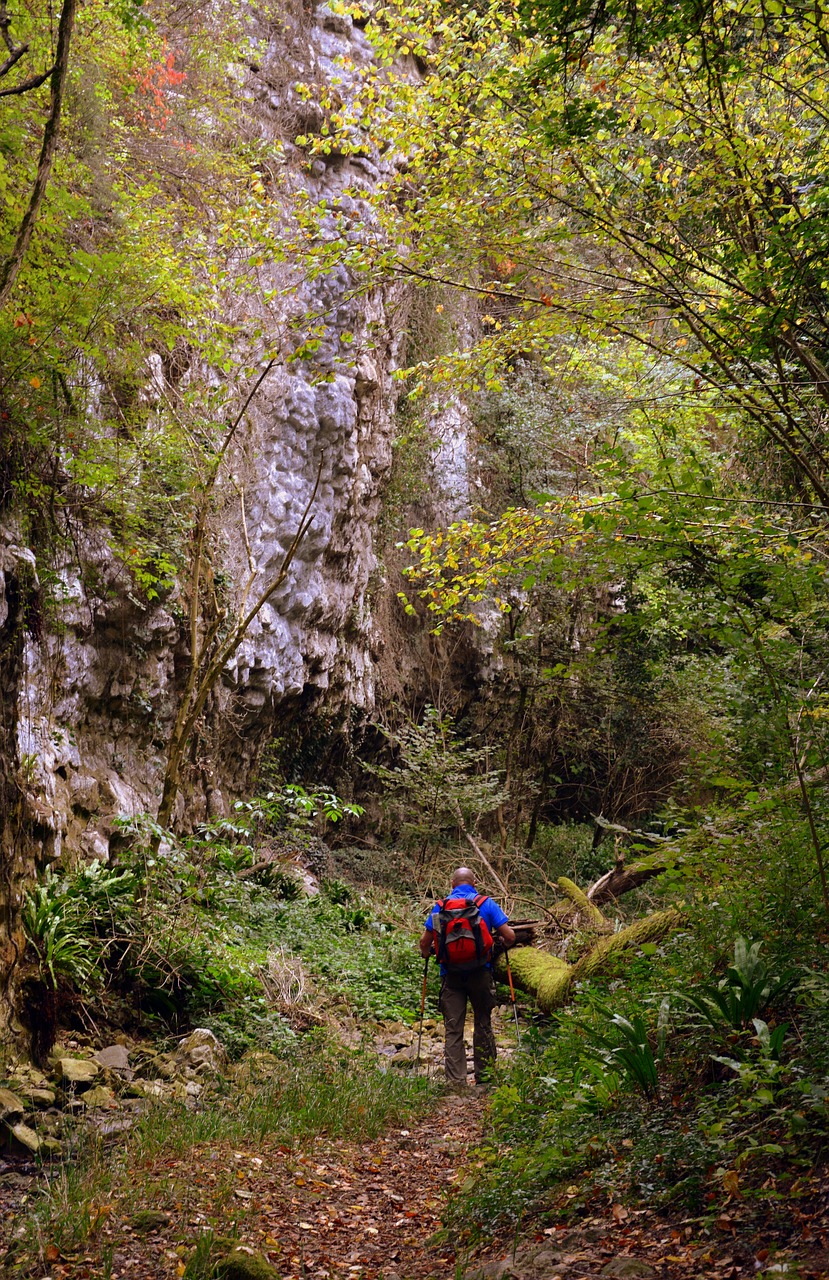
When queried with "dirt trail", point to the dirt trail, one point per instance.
{"points": [[369, 1210]]}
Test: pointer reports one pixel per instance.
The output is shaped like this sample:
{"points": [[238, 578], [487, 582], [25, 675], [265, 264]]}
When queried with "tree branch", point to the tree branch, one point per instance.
{"points": [[34, 82], [47, 150]]}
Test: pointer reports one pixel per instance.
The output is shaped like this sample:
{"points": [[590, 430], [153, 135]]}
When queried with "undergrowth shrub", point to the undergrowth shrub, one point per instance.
{"points": [[185, 940]]}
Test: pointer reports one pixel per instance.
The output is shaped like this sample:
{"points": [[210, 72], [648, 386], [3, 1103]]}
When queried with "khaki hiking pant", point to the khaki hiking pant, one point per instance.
{"points": [[478, 987]]}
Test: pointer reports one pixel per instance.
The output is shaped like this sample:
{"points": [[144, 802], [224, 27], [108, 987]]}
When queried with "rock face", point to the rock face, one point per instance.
{"points": [[96, 704], [97, 685]]}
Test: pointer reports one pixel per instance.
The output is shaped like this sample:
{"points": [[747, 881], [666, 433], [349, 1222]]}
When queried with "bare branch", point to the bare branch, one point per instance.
{"points": [[34, 82], [14, 56]]}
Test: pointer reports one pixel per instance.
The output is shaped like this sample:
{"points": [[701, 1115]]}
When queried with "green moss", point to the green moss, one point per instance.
{"points": [[650, 929], [580, 899], [544, 976], [244, 1264]]}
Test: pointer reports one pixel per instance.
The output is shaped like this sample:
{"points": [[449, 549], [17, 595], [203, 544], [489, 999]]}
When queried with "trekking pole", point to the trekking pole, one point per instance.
{"points": [[512, 998], [422, 1011]]}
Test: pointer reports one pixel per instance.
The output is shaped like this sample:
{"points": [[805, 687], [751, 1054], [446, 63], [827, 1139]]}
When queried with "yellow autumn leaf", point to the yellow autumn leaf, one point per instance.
{"points": [[34, 382]]}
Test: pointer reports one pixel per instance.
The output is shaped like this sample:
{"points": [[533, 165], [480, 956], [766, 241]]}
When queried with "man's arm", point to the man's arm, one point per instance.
{"points": [[507, 935], [425, 943]]}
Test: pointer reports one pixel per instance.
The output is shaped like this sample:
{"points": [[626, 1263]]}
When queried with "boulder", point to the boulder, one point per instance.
{"points": [[99, 1096], [26, 1137], [202, 1051], [244, 1263], [114, 1056], [78, 1072], [11, 1108]]}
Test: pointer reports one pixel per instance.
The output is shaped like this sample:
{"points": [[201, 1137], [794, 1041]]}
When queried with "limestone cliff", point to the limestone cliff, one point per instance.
{"points": [[99, 672]]}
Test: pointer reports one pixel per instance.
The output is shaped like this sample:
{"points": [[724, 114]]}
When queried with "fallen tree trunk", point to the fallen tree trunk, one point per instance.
{"points": [[582, 902], [549, 979], [622, 878]]}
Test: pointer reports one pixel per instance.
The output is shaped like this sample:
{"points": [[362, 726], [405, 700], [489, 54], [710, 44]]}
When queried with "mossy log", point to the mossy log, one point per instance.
{"points": [[649, 929], [542, 975], [580, 900], [549, 979]]}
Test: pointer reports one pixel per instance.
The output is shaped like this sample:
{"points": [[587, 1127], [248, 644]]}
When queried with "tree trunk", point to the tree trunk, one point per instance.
{"points": [[549, 979], [17, 863], [9, 272]]}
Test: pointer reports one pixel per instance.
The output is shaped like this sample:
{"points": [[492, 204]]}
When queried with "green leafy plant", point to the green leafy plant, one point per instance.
{"points": [[294, 808], [70, 921], [626, 1050], [439, 782], [740, 997], [58, 933]]}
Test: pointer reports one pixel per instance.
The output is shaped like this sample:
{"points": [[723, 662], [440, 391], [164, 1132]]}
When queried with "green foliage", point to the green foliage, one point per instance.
{"points": [[441, 782], [629, 1051], [295, 808], [365, 962], [67, 920], [596, 1106], [746, 991], [184, 934]]}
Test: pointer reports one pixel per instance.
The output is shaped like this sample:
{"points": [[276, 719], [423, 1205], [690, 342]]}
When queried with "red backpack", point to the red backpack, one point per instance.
{"points": [[462, 939]]}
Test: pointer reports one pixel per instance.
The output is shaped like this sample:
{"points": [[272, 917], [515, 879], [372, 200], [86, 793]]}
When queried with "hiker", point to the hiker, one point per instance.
{"points": [[461, 931]]}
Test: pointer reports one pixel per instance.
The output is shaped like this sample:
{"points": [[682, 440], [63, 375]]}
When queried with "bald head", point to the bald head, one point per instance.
{"points": [[463, 876]]}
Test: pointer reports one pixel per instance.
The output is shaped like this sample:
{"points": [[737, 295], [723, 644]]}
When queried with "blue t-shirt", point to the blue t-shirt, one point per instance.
{"points": [[488, 911]]}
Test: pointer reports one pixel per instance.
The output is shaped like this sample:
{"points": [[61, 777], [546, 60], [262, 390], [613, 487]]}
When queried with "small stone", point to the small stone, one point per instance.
{"points": [[100, 1096], [244, 1263], [78, 1071], [165, 1066], [26, 1137], [149, 1220], [121, 1124], [41, 1097], [628, 1269], [145, 1089], [498, 1270], [11, 1108], [114, 1056], [51, 1147]]}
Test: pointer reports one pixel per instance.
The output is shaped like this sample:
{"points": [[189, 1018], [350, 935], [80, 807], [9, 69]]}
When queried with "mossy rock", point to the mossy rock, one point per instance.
{"points": [[150, 1220], [245, 1264]]}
